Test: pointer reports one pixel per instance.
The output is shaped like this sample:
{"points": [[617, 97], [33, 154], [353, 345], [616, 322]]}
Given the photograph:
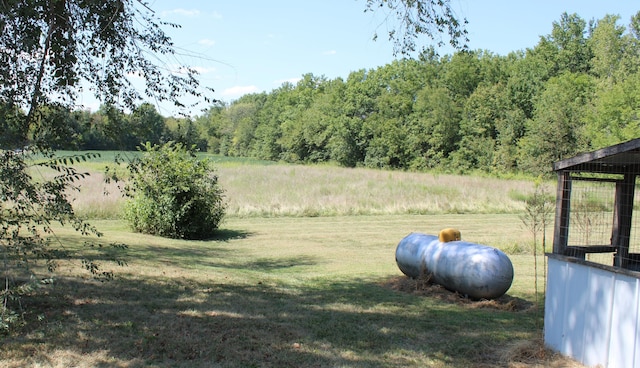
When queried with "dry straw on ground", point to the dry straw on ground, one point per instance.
{"points": [[424, 287], [518, 354]]}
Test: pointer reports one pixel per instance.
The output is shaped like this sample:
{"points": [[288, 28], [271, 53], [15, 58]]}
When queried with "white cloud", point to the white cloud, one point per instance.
{"points": [[238, 91], [330, 52], [207, 42], [216, 15], [182, 12]]}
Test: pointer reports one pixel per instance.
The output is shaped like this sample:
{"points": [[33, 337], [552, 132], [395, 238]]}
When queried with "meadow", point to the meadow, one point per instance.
{"points": [[266, 189], [301, 274]]}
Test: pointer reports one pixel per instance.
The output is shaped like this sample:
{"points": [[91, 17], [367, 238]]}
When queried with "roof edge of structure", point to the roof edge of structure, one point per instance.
{"points": [[602, 153]]}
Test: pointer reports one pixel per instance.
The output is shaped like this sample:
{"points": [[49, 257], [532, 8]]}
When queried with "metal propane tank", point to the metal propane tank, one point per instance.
{"points": [[475, 270]]}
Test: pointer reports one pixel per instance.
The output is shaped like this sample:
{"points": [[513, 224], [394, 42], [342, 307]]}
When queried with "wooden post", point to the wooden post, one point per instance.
{"points": [[563, 206], [623, 211]]}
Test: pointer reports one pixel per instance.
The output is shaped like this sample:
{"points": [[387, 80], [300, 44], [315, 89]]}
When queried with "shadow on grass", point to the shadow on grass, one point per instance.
{"points": [[139, 322], [270, 264], [186, 253], [225, 235]]}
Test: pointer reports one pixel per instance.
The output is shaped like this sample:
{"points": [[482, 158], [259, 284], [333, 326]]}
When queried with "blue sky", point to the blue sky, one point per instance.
{"points": [[247, 46]]}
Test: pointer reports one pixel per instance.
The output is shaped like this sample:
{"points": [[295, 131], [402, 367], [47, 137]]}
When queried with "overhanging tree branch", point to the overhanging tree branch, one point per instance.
{"points": [[411, 19]]}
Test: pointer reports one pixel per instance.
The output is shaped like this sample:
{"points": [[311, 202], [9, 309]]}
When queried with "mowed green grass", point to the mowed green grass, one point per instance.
{"points": [[285, 291]]}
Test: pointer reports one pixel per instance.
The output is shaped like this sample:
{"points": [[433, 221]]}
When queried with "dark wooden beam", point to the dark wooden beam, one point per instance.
{"points": [[622, 215], [563, 209], [624, 151]]}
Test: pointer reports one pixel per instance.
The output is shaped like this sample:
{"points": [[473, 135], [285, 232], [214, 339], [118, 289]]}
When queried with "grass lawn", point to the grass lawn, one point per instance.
{"points": [[281, 292], [302, 274]]}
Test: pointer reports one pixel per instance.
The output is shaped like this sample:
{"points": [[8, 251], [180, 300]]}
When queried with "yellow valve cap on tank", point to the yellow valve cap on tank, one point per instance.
{"points": [[449, 234]]}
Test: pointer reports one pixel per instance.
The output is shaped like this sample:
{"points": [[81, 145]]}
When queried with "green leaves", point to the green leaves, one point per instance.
{"points": [[173, 193], [431, 18], [48, 47], [28, 208], [472, 111]]}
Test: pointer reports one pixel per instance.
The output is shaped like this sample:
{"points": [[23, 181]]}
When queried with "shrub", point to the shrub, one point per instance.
{"points": [[173, 193]]}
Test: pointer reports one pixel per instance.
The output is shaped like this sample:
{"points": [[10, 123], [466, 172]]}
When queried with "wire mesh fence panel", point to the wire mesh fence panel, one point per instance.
{"points": [[591, 218], [597, 194], [592, 211]]}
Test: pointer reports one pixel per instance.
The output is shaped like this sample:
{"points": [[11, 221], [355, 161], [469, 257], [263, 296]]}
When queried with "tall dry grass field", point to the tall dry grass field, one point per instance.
{"points": [[95, 199], [285, 190], [309, 191]]}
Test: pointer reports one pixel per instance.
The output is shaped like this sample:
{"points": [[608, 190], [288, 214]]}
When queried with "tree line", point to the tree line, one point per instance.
{"points": [[578, 89], [109, 128]]}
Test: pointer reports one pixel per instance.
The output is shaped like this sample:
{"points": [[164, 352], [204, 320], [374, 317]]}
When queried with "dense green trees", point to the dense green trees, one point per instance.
{"points": [[53, 50], [577, 89]]}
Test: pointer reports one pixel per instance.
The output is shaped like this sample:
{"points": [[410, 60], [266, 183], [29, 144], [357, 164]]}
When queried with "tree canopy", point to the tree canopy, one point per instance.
{"points": [[473, 110], [575, 90], [52, 50]]}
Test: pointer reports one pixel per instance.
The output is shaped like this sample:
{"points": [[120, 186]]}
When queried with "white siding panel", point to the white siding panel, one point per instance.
{"points": [[636, 334], [624, 316], [554, 303], [592, 314], [577, 298], [599, 288]]}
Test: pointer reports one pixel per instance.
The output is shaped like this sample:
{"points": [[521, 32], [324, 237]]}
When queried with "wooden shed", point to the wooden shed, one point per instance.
{"points": [[592, 303]]}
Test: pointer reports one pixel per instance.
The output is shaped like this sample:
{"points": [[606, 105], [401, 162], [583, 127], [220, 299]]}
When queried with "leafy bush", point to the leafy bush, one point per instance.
{"points": [[173, 193]]}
